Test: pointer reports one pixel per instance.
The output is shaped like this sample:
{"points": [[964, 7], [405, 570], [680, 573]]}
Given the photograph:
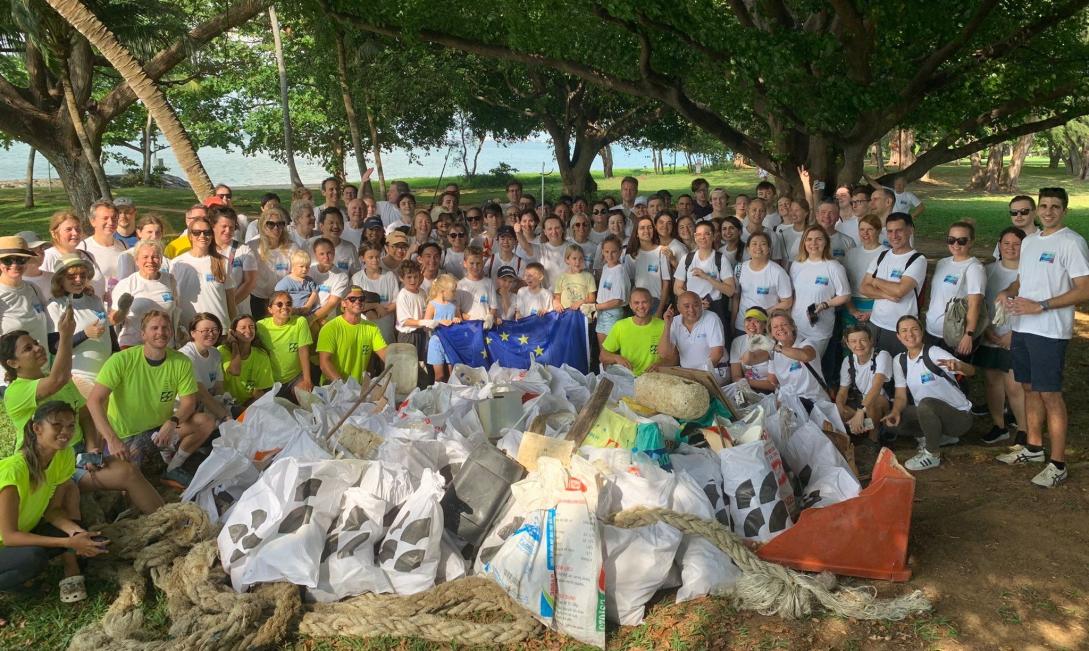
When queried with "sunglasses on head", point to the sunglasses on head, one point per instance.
{"points": [[959, 241], [11, 261], [275, 224], [1020, 211]]}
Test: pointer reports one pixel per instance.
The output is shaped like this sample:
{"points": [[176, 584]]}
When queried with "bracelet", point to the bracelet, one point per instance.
{"points": [[175, 420]]}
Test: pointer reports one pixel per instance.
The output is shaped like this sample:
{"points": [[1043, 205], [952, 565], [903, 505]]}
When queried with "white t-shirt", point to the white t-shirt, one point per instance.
{"points": [[849, 227], [146, 295], [43, 281], [89, 356], [105, 263], [206, 370], [1049, 263], [270, 271], [527, 302], [389, 212], [778, 248], [707, 265], [345, 257], [241, 260], [551, 258], [923, 384], [793, 376], [772, 220], [792, 239], [694, 346], [648, 269], [453, 263], [495, 263], [840, 244], [905, 202], [952, 280], [739, 347], [817, 281], [477, 298], [353, 235], [198, 289], [330, 283], [410, 306], [892, 268], [880, 363], [678, 248], [23, 308], [858, 260], [386, 286], [762, 288], [614, 284], [998, 279]]}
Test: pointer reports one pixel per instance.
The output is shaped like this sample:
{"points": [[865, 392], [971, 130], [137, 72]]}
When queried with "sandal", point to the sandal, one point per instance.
{"points": [[73, 589]]}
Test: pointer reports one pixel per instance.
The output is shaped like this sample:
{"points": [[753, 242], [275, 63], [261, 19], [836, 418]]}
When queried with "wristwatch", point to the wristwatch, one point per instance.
{"points": [[970, 333], [1045, 305]]}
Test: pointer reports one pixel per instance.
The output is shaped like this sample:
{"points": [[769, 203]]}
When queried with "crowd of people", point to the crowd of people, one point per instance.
{"points": [[124, 347]]}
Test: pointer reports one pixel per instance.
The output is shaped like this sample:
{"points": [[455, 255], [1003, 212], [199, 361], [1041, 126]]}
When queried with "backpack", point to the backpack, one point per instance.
{"points": [[853, 392], [914, 256], [956, 319], [692, 256], [902, 358]]}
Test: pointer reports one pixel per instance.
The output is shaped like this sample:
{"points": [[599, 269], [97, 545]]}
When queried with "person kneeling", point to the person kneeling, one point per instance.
{"points": [[941, 413], [861, 399]]}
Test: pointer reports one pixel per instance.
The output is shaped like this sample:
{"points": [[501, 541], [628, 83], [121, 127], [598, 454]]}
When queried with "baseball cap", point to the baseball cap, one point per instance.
{"points": [[396, 237], [506, 271], [373, 222], [209, 202], [32, 239], [123, 202], [506, 230], [641, 200]]}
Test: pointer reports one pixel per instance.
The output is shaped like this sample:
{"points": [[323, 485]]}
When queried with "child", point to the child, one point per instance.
{"points": [[476, 294], [382, 283], [454, 261], [615, 286], [441, 309], [411, 306], [503, 254], [298, 284], [532, 299], [575, 286], [507, 291]]}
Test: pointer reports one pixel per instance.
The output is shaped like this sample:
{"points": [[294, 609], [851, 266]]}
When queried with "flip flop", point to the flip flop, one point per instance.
{"points": [[73, 589]]}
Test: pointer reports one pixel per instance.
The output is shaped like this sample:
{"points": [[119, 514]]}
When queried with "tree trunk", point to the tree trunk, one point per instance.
{"points": [[289, 144], [471, 170], [976, 180], [89, 153], [1017, 161], [993, 178], [349, 104], [854, 163], [1084, 161], [879, 157], [76, 176], [28, 197], [86, 23], [607, 161], [1054, 152], [148, 126], [377, 147]]}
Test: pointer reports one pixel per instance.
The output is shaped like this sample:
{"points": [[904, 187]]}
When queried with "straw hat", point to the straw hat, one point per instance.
{"points": [[13, 245]]}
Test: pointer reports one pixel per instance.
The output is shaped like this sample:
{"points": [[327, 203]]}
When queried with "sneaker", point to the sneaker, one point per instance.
{"points": [[923, 461], [980, 409], [1019, 455], [177, 478], [995, 435], [1050, 476], [949, 440]]}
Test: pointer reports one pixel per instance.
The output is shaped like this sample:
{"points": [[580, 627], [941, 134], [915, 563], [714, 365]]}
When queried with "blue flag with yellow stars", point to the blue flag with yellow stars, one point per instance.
{"points": [[554, 339]]}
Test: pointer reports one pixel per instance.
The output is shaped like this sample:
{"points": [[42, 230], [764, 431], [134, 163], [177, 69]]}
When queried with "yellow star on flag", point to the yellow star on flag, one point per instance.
{"points": [[538, 351], [523, 340], [504, 336], [487, 340], [484, 353]]}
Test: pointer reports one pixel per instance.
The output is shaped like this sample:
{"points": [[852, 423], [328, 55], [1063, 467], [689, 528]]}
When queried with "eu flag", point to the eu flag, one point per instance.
{"points": [[555, 339]]}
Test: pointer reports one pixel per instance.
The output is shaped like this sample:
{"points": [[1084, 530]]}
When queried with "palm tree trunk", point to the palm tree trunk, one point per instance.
{"points": [[349, 105], [377, 149], [28, 198], [289, 138], [81, 133], [148, 126], [132, 72]]}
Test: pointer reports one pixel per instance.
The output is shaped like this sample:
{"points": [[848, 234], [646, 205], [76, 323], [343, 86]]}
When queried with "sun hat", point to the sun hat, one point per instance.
{"points": [[123, 202], [32, 239], [396, 237], [69, 260], [15, 245]]}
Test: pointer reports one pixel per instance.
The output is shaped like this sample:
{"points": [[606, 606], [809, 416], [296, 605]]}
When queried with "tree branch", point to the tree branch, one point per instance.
{"points": [[856, 38], [943, 53]]}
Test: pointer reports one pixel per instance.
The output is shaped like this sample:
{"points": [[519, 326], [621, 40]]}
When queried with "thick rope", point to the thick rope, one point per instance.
{"points": [[772, 589]]}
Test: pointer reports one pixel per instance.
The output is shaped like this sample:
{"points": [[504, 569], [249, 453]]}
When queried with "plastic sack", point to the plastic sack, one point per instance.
{"points": [[623, 381], [822, 474], [580, 569], [411, 551], [220, 481], [756, 490], [703, 466], [748, 428], [705, 569], [523, 566], [637, 562], [347, 562]]}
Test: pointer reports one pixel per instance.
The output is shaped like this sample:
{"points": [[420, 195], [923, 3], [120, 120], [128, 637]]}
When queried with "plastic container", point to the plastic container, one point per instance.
{"points": [[476, 496], [405, 364], [500, 411]]}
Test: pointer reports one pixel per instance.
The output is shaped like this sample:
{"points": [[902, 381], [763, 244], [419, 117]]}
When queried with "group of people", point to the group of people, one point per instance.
{"points": [[125, 347]]}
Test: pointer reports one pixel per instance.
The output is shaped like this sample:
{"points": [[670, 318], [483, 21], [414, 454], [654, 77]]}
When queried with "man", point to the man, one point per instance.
{"points": [[180, 244], [1022, 215], [907, 201], [654, 206], [448, 202], [639, 209], [429, 256], [629, 188], [667, 199], [895, 280], [514, 194], [126, 221], [633, 342], [225, 196], [104, 249], [766, 191], [695, 340], [882, 202], [702, 202], [857, 207], [685, 206], [346, 343], [843, 200], [349, 193], [757, 223], [388, 210], [828, 218], [1053, 277], [330, 189], [357, 217]]}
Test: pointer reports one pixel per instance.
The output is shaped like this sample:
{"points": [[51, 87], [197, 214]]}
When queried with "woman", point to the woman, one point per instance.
{"points": [[273, 248], [204, 284], [820, 286], [406, 205], [857, 261], [751, 352], [303, 220], [345, 256], [941, 413], [664, 223], [993, 354], [731, 245], [686, 232], [22, 307], [961, 275], [861, 399], [148, 227], [150, 287], [241, 263], [374, 278], [795, 221], [549, 251], [421, 232], [95, 340], [204, 331], [39, 506], [288, 341], [760, 281], [66, 232], [707, 273], [719, 208], [247, 369], [599, 222], [616, 228], [794, 368], [648, 265]]}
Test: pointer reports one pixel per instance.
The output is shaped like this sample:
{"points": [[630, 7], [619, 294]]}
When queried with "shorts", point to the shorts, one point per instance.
{"points": [[417, 339], [995, 359], [140, 447], [436, 354], [1038, 361], [606, 319]]}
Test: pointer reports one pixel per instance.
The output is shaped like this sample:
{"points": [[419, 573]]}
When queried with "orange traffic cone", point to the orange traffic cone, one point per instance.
{"points": [[866, 536]]}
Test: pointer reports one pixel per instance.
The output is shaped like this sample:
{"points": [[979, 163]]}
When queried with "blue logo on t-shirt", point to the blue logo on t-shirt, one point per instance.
{"points": [[484, 299], [838, 253], [896, 274], [280, 266], [167, 297], [209, 278], [38, 308], [926, 377], [607, 284], [795, 365], [1047, 256], [763, 291], [237, 264], [342, 265], [323, 288], [951, 279], [822, 280], [652, 268]]}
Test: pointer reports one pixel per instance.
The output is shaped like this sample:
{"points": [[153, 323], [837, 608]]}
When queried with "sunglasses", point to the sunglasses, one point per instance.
{"points": [[474, 218], [201, 233], [457, 235], [281, 304], [224, 196], [855, 202], [1020, 211], [271, 225], [959, 241], [354, 299], [12, 261]]}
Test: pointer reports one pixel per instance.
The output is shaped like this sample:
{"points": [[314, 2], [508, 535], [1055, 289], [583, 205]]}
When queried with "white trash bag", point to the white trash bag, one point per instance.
{"points": [[412, 548], [757, 490], [705, 569], [348, 565], [220, 481], [637, 562]]}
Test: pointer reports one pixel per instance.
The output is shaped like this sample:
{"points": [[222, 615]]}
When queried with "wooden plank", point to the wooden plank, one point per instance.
{"points": [[704, 379], [587, 416]]}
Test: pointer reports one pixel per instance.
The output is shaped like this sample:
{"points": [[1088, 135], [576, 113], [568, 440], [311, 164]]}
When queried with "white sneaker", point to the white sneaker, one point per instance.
{"points": [[1050, 476], [923, 461], [1019, 456]]}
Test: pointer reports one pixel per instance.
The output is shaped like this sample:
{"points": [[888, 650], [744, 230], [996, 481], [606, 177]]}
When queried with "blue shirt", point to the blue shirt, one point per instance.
{"points": [[300, 291]]}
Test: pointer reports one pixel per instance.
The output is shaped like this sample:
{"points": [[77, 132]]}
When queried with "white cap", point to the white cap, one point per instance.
{"points": [[32, 239], [641, 200]]}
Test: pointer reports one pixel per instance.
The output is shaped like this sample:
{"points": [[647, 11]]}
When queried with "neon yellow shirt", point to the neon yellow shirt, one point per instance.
{"points": [[142, 396], [21, 403], [34, 502], [283, 343], [350, 345], [635, 343], [177, 246], [255, 374]]}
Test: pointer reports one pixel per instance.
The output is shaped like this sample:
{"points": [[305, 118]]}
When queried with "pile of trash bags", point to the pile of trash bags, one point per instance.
{"points": [[476, 477]]}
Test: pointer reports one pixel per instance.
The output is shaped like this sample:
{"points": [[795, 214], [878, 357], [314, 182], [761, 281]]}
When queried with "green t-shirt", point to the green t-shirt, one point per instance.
{"points": [[575, 287], [283, 343], [350, 345], [21, 403], [33, 503], [256, 374], [142, 396], [635, 343]]}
